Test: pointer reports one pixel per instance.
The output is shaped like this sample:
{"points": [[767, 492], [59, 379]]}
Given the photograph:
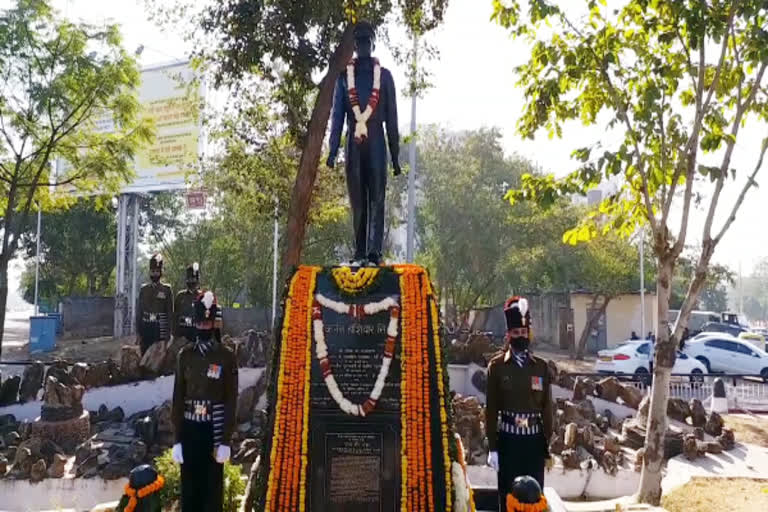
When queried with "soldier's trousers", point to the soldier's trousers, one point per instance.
{"points": [[519, 455], [202, 478]]}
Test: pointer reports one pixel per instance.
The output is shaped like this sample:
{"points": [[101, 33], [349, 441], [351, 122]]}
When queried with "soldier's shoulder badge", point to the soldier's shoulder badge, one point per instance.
{"points": [[537, 383], [214, 371]]}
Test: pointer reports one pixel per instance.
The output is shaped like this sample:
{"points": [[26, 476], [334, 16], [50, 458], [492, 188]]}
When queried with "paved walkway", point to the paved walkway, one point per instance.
{"points": [[745, 460]]}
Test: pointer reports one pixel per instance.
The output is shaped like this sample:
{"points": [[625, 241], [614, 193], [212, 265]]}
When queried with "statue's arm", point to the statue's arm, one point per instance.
{"points": [[390, 118], [337, 121]]}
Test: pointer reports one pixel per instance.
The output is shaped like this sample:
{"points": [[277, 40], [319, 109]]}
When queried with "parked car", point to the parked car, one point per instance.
{"points": [[729, 354], [754, 338], [631, 357], [732, 329]]}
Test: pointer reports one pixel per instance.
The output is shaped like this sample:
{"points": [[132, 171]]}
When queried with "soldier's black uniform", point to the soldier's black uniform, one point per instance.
{"points": [[184, 305], [519, 410], [155, 308], [203, 413]]}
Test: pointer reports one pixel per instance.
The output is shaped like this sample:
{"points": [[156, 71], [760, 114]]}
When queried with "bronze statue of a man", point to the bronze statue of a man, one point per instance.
{"points": [[365, 95]]}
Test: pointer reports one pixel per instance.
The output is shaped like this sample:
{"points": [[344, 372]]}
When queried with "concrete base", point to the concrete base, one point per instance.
{"points": [[58, 494]]}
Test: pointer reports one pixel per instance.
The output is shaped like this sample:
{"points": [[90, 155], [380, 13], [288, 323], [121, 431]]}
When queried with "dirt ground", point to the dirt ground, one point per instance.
{"points": [[89, 350], [563, 360], [748, 429], [711, 494]]}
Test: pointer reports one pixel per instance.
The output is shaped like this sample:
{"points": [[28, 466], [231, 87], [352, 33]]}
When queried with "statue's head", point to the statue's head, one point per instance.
{"points": [[365, 38]]}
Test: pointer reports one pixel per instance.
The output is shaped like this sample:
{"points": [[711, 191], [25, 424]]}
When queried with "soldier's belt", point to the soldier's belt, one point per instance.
{"points": [[525, 424], [151, 318], [199, 411]]}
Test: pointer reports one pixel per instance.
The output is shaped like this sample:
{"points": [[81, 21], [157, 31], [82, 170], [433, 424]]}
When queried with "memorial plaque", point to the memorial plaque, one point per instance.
{"points": [[355, 461]]}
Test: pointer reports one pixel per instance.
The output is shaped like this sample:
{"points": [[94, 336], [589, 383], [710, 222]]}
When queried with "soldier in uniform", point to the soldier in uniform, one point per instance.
{"points": [[184, 305], [519, 411], [155, 308], [203, 411]]}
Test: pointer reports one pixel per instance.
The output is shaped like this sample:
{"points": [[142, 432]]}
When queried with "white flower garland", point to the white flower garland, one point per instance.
{"points": [[460, 487], [361, 117], [321, 348]]}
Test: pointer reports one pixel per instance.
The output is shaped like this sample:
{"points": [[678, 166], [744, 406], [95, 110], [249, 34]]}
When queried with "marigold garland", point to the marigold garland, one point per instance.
{"points": [[354, 282], [513, 505], [142, 493]]}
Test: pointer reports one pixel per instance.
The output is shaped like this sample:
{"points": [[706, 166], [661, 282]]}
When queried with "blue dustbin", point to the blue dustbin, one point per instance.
{"points": [[57, 316], [42, 333]]}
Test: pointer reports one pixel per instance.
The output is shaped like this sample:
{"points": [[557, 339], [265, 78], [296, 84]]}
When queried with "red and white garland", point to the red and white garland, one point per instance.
{"points": [[357, 311], [361, 126]]}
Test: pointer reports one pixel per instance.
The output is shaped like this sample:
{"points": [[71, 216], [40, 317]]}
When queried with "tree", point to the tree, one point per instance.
{"points": [[675, 82], [714, 293], [287, 43], [77, 248], [58, 79]]}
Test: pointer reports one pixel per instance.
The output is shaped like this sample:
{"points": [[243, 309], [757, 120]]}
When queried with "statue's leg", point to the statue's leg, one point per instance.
{"points": [[377, 193], [357, 197]]}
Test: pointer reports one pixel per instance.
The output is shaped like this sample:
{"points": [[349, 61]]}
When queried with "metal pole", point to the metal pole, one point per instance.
{"points": [[37, 262], [412, 165], [134, 256], [274, 266], [642, 285]]}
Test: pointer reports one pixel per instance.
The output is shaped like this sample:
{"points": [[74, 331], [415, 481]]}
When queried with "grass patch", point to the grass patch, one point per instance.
{"points": [[710, 494], [748, 430]]}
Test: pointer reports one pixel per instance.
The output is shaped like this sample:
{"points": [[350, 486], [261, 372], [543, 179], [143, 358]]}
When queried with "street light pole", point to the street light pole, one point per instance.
{"points": [[37, 262], [642, 284], [412, 165]]}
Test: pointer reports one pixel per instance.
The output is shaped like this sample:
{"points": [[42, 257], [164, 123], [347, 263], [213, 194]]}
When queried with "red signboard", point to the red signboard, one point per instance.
{"points": [[196, 200]]}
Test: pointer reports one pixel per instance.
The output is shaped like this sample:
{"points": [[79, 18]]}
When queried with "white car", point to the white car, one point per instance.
{"points": [[728, 354], [631, 357]]}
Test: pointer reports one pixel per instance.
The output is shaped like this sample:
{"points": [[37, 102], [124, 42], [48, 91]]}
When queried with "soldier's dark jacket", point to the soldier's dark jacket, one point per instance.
{"points": [[183, 313], [207, 378], [155, 311], [512, 389]]}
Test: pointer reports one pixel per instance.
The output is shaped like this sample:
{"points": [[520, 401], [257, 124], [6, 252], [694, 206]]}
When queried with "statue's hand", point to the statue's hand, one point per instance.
{"points": [[331, 161], [398, 171]]}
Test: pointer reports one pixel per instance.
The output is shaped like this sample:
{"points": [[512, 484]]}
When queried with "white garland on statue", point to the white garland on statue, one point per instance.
{"points": [[361, 117], [461, 489], [321, 348]]}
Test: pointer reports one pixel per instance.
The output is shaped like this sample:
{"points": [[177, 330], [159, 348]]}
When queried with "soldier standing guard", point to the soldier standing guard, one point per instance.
{"points": [[155, 308], [203, 411], [519, 405], [184, 305]]}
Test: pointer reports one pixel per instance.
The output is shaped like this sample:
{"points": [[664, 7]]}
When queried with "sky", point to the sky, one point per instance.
{"points": [[474, 86]]}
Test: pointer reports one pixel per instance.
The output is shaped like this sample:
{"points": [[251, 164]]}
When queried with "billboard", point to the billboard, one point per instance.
{"points": [[170, 96]]}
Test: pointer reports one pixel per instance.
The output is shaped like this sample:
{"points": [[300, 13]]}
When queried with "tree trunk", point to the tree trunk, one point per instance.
{"points": [[301, 198], [3, 299], [663, 361], [591, 322]]}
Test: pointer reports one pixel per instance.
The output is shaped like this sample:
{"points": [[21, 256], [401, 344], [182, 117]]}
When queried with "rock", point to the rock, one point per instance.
{"points": [[10, 453], [9, 391], [643, 408], [611, 444], [49, 450], [31, 382], [571, 459], [163, 417], [554, 371], [79, 372], [12, 439], [714, 447], [557, 445], [608, 388], [609, 464], [38, 472], [3, 466], [698, 433], [83, 452], [256, 346], [714, 425], [153, 358], [115, 415], [116, 469], [7, 420], [678, 409], [480, 381], [89, 467], [57, 468], [698, 413], [23, 463], [571, 431], [727, 440], [613, 421], [571, 413], [690, 447], [639, 457], [469, 420], [171, 354], [98, 375], [602, 423], [587, 410], [146, 429], [246, 400], [583, 388], [630, 395], [137, 452], [566, 381], [249, 450], [60, 371], [59, 394]]}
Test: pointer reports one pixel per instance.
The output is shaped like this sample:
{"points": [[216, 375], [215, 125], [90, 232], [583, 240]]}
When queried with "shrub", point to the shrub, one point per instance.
{"points": [[234, 486]]}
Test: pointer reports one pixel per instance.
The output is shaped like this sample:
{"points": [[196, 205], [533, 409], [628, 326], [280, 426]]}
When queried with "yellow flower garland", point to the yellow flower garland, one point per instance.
{"points": [[441, 394], [513, 505], [354, 282], [142, 493]]}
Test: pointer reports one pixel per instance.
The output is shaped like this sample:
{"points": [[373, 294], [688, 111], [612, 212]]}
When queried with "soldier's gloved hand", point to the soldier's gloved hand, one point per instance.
{"points": [[331, 162], [223, 453], [398, 171], [493, 460], [176, 454]]}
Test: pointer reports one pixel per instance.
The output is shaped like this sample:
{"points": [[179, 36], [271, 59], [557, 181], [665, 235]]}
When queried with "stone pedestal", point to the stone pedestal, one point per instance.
{"points": [[70, 432]]}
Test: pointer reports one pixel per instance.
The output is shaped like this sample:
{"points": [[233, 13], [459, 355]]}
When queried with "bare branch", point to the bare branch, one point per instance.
{"points": [[723, 51]]}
